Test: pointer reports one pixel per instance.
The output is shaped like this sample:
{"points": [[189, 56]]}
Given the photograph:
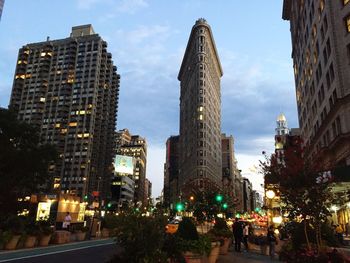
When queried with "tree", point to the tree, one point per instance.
{"points": [[303, 196], [23, 162]]}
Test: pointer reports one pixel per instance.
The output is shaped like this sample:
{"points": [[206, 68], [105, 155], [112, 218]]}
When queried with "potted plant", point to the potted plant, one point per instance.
{"points": [[81, 231], [15, 229], [45, 232], [31, 233], [193, 246], [222, 233]]}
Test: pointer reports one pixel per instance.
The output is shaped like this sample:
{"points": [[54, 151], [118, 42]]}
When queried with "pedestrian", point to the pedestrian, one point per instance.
{"points": [[339, 232], [272, 240], [67, 221], [245, 236], [237, 230]]}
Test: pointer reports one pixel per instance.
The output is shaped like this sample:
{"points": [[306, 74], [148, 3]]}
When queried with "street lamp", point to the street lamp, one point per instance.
{"points": [[270, 194]]}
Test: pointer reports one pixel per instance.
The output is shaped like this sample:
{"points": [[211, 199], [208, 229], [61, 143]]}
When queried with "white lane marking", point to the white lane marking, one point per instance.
{"points": [[56, 252]]}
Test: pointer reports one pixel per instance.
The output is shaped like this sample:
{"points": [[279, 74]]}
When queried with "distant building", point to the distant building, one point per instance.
{"points": [[123, 190], [171, 171], [2, 2], [68, 89], [231, 176], [200, 113], [247, 195], [136, 147], [148, 189], [320, 32]]}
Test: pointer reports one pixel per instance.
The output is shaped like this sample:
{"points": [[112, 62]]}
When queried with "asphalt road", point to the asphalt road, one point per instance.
{"points": [[86, 252]]}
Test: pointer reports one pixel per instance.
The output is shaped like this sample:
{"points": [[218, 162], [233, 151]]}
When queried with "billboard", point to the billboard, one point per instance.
{"points": [[123, 164]]}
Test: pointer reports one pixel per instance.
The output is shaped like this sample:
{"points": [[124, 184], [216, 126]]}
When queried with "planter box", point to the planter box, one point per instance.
{"points": [[30, 242], [192, 257], [44, 240], [214, 253], [61, 237], [225, 246], [81, 236], [105, 233], [12, 243]]}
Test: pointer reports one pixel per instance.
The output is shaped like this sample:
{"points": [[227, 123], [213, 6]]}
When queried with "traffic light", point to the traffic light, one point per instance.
{"points": [[224, 206], [85, 197], [179, 207], [109, 205], [191, 197], [218, 197]]}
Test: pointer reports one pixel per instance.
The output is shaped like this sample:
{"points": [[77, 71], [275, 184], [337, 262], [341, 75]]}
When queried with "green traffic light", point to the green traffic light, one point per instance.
{"points": [[218, 198], [224, 206], [85, 197], [179, 207], [109, 205]]}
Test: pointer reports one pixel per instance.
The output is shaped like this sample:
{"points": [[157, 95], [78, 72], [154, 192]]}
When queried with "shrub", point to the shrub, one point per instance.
{"points": [[187, 230]]}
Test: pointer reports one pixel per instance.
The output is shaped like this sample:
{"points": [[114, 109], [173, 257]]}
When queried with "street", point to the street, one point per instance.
{"points": [[88, 251]]}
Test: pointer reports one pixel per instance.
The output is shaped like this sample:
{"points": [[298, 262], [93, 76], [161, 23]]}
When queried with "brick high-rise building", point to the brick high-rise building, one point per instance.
{"points": [[200, 112], [136, 147], [320, 31], [69, 88], [232, 181]]}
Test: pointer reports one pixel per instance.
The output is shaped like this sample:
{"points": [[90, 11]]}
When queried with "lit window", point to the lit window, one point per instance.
{"points": [[83, 135], [347, 23], [26, 51], [200, 117], [200, 108], [345, 2], [57, 125], [63, 131], [43, 54], [72, 124], [20, 76], [28, 76], [42, 99], [322, 5], [80, 112]]}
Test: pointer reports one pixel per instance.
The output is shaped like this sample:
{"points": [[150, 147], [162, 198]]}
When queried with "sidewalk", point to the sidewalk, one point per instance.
{"points": [[244, 257]]}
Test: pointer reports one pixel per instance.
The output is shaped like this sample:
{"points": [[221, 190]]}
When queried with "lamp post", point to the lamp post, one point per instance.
{"points": [[270, 195]]}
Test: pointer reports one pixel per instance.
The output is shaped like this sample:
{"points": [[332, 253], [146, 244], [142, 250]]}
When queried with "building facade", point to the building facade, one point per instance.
{"points": [[69, 88], [200, 112], [171, 171], [136, 147], [2, 2], [232, 182], [320, 32]]}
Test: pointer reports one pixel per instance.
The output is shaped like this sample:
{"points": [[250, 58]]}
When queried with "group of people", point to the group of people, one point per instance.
{"points": [[241, 234]]}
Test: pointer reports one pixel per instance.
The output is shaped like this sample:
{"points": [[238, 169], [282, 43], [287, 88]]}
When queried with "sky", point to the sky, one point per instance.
{"points": [[147, 39]]}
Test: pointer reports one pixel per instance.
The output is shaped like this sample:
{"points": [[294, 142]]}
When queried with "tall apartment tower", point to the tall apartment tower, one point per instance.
{"points": [[136, 147], [200, 112], [320, 31], [69, 89]]}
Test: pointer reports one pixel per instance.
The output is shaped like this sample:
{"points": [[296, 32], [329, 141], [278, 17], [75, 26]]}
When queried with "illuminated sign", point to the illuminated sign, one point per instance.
{"points": [[123, 164], [43, 211]]}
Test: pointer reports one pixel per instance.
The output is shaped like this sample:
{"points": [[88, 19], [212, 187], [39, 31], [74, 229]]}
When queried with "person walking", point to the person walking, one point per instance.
{"points": [[272, 240], [339, 232], [237, 230], [245, 236]]}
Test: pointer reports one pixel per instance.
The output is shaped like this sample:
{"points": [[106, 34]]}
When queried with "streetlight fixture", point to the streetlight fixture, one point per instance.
{"points": [[270, 194]]}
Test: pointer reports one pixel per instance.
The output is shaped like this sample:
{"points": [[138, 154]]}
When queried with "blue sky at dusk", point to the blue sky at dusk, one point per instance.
{"points": [[147, 39]]}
